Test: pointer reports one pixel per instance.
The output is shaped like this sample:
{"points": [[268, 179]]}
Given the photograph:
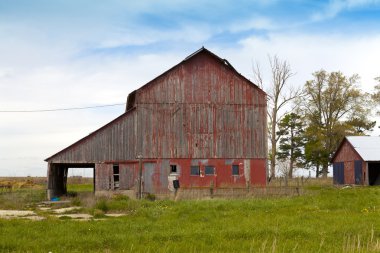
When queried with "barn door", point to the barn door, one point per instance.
{"points": [[338, 173], [358, 172], [148, 173]]}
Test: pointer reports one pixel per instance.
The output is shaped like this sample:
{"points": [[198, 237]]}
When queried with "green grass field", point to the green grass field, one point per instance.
{"points": [[323, 220]]}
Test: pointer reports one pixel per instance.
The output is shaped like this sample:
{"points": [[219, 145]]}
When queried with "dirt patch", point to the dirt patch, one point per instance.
{"points": [[59, 213], [79, 216], [67, 209], [35, 218], [16, 213], [115, 214], [13, 214]]}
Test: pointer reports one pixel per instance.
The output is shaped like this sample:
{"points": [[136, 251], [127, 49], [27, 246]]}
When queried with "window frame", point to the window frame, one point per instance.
{"points": [[234, 166], [171, 169], [116, 176], [208, 167], [195, 167]]}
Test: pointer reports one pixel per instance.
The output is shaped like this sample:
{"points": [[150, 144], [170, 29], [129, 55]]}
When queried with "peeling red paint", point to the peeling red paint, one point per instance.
{"points": [[200, 111], [347, 154]]}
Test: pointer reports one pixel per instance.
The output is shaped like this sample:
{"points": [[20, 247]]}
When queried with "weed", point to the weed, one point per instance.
{"points": [[150, 196], [120, 197], [323, 220], [76, 201], [98, 213], [102, 204], [71, 194]]}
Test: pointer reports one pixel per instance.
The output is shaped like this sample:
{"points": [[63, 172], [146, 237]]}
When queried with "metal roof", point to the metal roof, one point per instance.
{"points": [[368, 147]]}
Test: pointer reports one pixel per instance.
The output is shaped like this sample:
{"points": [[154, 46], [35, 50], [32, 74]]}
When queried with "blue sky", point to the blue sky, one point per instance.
{"points": [[62, 53]]}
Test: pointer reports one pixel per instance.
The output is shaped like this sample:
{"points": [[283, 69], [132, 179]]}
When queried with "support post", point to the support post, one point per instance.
{"points": [[94, 179], [140, 177], [49, 185]]}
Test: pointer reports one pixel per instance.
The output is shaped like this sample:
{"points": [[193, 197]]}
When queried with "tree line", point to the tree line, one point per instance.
{"points": [[306, 124]]}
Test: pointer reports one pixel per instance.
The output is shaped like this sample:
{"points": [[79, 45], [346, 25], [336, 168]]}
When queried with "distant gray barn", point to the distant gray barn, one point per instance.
{"points": [[357, 161]]}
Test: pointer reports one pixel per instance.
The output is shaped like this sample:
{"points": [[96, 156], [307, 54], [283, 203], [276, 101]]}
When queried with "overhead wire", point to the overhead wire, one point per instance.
{"points": [[60, 109]]}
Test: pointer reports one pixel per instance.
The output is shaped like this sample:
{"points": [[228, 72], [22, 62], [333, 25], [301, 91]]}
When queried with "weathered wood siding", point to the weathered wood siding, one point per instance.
{"points": [[114, 142], [348, 156], [103, 175], [128, 176], [201, 112], [201, 109]]}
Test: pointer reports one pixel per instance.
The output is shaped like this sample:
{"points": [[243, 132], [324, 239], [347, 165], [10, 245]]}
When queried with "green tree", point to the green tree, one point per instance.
{"points": [[291, 143], [376, 94], [359, 125], [315, 153], [334, 106]]}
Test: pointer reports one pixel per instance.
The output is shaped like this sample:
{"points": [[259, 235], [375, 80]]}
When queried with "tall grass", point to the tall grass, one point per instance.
{"points": [[21, 198], [326, 220]]}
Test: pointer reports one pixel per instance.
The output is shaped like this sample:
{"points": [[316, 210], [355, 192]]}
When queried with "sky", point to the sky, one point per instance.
{"points": [[70, 54]]}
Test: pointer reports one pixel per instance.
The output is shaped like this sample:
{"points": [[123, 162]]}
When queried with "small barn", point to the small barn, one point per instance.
{"points": [[200, 123], [357, 161]]}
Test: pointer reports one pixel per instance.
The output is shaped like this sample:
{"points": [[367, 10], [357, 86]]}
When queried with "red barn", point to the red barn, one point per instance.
{"points": [[200, 122], [357, 161]]}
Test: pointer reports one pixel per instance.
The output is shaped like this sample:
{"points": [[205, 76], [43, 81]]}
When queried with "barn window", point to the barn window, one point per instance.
{"points": [[209, 170], [194, 171], [235, 170], [116, 183], [173, 168]]}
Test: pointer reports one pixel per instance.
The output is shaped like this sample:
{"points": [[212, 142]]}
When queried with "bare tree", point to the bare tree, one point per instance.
{"points": [[283, 167], [280, 93]]}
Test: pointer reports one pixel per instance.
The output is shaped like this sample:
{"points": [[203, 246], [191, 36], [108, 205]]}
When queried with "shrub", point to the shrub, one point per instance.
{"points": [[102, 205], [71, 194], [119, 197], [98, 213], [76, 201], [150, 197]]}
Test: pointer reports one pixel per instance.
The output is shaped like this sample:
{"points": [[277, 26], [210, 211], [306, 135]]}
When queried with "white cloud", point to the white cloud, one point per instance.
{"points": [[257, 23], [6, 73], [145, 36], [45, 65], [334, 7], [28, 138], [309, 53]]}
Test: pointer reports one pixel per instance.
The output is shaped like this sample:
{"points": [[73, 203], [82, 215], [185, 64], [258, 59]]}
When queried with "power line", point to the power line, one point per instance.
{"points": [[60, 109]]}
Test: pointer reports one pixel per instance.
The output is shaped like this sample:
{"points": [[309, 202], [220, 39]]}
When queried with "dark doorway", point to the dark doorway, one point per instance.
{"points": [[358, 172], [58, 177], [338, 172], [374, 173]]}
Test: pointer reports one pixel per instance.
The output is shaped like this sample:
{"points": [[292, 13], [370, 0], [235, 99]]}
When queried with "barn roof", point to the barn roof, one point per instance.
{"points": [[222, 61], [368, 147]]}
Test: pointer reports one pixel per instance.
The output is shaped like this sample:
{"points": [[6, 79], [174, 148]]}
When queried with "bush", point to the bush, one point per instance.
{"points": [[119, 197], [150, 197], [71, 194], [76, 202], [102, 205], [98, 213]]}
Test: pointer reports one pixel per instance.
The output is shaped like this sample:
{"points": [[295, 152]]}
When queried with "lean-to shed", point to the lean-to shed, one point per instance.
{"points": [[357, 161], [200, 122]]}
